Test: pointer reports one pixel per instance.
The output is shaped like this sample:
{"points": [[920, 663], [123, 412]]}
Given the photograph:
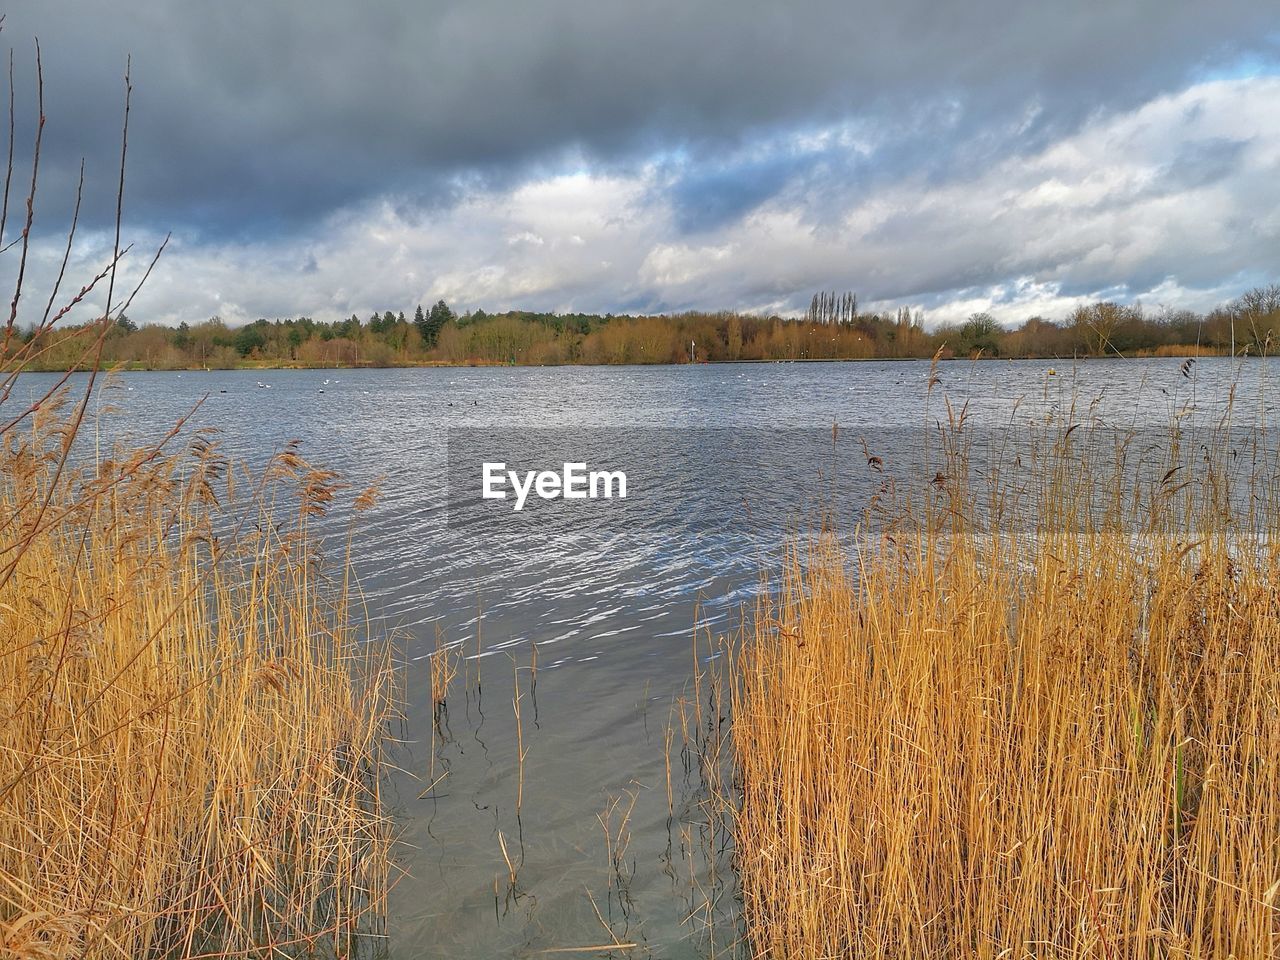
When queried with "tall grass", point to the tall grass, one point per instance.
{"points": [[191, 726], [1051, 732], [191, 730]]}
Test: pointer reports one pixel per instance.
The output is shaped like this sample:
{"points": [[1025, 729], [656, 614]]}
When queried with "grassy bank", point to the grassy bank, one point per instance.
{"points": [[191, 731], [1050, 734]]}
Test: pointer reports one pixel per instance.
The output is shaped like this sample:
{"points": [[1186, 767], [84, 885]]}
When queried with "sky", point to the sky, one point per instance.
{"points": [[324, 158]]}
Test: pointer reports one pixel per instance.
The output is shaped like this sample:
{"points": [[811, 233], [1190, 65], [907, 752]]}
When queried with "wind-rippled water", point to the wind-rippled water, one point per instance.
{"points": [[611, 603]]}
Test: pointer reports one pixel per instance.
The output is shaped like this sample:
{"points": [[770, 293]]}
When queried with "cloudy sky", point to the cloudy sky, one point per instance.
{"points": [[328, 157]]}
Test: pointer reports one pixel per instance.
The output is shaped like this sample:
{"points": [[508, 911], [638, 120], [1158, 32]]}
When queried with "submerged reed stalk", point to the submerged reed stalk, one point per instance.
{"points": [[1050, 736]]}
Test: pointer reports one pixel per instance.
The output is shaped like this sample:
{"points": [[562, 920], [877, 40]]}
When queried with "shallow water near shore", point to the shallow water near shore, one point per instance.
{"points": [[608, 600]]}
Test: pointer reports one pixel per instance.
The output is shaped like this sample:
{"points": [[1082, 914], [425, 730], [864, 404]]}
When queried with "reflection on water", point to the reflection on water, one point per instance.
{"points": [[588, 631]]}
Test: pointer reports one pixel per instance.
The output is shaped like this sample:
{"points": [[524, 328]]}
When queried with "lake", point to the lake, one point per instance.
{"points": [[723, 461]]}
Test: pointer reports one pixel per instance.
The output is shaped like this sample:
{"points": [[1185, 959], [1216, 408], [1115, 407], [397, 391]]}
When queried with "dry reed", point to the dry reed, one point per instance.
{"points": [[444, 668], [1052, 735], [192, 730]]}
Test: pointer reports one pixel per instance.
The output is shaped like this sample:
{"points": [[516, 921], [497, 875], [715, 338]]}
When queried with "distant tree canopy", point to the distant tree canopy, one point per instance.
{"points": [[833, 328], [833, 308], [979, 334]]}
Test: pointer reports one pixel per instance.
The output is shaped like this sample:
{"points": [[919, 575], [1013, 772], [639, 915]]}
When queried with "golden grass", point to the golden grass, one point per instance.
{"points": [[1052, 738], [190, 730], [1184, 350], [444, 668]]}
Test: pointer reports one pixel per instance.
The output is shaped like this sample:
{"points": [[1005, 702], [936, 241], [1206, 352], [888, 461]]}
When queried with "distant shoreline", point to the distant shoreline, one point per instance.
{"points": [[832, 330], [133, 367]]}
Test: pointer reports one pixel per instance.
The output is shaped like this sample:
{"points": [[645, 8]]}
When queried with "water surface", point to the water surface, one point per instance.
{"points": [[610, 607]]}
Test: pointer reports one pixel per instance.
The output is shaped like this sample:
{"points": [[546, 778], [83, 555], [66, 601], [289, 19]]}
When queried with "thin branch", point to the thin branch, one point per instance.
{"points": [[151, 266], [8, 173], [66, 254], [31, 200], [124, 151], [29, 355]]}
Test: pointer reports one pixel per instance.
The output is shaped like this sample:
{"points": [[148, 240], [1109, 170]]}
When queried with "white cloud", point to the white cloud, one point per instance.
{"points": [[1172, 203]]}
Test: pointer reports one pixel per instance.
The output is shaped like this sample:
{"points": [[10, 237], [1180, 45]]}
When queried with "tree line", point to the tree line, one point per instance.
{"points": [[833, 328]]}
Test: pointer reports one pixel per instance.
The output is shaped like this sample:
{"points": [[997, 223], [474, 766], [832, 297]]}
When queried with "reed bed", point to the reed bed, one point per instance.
{"points": [[192, 723], [191, 729], [1050, 735]]}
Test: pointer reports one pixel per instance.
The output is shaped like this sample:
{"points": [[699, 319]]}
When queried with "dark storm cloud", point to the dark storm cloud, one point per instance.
{"points": [[1204, 162], [255, 114], [710, 196]]}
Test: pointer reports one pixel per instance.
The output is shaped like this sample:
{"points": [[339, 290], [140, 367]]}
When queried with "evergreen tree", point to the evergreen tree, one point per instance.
{"points": [[439, 316], [250, 338], [420, 321]]}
